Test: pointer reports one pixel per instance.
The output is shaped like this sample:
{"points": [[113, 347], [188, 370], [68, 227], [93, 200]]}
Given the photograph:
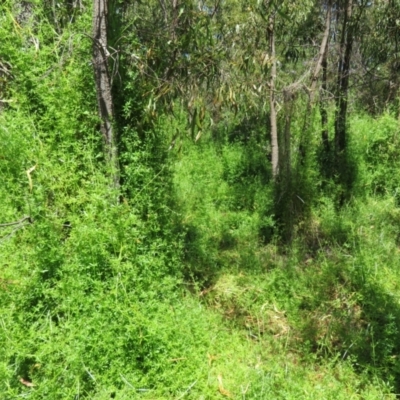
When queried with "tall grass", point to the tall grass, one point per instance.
{"points": [[182, 289]]}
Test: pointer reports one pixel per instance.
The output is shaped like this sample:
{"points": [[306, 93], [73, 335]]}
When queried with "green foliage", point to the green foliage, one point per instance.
{"points": [[224, 205], [376, 144], [183, 289]]}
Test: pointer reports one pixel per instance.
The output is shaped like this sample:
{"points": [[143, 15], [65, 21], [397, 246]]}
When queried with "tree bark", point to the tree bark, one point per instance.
{"points": [[323, 52], [346, 46], [323, 64], [272, 100], [103, 86], [322, 103]]}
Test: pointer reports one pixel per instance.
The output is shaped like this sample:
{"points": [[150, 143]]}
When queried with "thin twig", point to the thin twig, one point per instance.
{"points": [[2, 239], [187, 390], [26, 218]]}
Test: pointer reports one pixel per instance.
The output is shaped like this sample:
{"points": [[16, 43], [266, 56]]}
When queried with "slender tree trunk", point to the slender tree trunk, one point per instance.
{"points": [[346, 46], [322, 106], [285, 187], [103, 85], [323, 52], [320, 64], [323, 59], [174, 18], [285, 153], [272, 100]]}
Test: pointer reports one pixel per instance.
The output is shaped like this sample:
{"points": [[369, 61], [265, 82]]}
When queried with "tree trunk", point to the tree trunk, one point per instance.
{"points": [[272, 100], [322, 105], [346, 46], [323, 61], [323, 52], [103, 86]]}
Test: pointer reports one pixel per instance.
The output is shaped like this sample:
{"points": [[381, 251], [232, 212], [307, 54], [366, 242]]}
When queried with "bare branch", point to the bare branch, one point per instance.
{"points": [[22, 220]]}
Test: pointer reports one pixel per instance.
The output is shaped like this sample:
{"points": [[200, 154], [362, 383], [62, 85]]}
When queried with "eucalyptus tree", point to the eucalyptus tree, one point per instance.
{"points": [[345, 19], [263, 57], [216, 54], [349, 14], [101, 55], [294, 31]]}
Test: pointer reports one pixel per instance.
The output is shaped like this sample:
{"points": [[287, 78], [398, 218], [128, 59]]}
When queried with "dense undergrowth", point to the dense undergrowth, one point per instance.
{"points": [[183, 288]]}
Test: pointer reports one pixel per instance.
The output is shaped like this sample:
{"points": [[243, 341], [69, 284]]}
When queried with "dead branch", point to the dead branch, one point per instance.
{"points": [[21, 221]]}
